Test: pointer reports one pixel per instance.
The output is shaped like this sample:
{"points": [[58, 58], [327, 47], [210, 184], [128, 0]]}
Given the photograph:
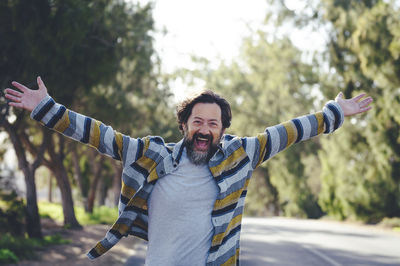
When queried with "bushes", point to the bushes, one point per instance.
{"points": [[100, 215], [12, 214], [14, 248]]}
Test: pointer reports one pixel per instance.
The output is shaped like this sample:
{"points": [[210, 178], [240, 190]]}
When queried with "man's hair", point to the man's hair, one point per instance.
{"points": [[184, 109]]}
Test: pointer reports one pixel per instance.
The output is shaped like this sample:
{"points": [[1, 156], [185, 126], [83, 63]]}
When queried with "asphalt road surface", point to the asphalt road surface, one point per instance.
{"points": [[280, 241]]}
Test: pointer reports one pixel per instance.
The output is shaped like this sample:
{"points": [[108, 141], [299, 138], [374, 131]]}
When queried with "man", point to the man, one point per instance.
{"points": [[186, 198]]}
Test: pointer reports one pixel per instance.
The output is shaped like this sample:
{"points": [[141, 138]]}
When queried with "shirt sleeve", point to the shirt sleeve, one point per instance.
{"points": [[277, 138], [84, 129]]}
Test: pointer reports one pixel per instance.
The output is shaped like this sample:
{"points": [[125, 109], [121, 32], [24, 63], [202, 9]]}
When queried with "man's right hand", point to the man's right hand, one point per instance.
{"points": [[26, 98]]}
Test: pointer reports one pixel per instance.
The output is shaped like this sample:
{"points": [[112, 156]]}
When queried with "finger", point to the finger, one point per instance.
{"points": [[20, 86], [358, 97], [13, 98], [365, 102], [40, 82], [13, 92], [19, 105], [365, 109]]}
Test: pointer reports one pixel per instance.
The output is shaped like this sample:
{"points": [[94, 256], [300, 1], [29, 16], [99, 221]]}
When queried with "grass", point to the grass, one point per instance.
{"points": [[12, 248], [100, 215]]}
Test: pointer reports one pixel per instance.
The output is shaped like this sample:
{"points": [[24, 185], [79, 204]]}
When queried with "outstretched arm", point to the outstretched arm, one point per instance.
{"points": [[69, 123], [277, 138]]}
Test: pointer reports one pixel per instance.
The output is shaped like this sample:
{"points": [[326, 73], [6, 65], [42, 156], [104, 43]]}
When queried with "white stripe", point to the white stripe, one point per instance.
{"points": [[306, 127], [239, 175], [275, 140], [80, 125], [52, 112], [131, 152], [108, 140], [251, 147]]}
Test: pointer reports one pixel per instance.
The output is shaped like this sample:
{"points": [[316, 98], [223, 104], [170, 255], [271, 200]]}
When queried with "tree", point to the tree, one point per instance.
{"points": [[75, 46]]}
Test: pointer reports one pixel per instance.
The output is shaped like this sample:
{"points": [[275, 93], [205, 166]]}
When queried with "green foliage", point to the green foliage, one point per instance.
{"points": [[12, 213], [14, 248], [7, 256], [100, 215]]}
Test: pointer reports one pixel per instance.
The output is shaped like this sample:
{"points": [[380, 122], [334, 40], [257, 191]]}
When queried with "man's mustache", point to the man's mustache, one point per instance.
{"points": [[209, 137]]}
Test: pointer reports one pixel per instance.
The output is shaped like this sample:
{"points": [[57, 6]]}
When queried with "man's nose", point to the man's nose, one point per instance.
{"points": [[204, 129]]}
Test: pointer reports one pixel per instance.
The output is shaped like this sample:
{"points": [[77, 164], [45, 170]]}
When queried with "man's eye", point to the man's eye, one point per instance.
{"points": [[197, 122]]}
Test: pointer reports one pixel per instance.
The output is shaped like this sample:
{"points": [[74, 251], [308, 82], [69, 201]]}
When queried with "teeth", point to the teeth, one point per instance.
{"points": [[203, 139]]}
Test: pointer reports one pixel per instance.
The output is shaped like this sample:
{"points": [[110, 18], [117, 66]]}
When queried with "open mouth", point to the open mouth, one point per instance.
{"points": [[202, 142]]}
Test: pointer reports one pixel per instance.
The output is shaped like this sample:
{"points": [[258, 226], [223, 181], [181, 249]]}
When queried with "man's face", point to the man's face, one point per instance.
{"points": [[203, 132]]}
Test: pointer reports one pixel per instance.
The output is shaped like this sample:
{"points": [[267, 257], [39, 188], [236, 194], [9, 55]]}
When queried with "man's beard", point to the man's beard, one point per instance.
{"points": [[200, 157]]}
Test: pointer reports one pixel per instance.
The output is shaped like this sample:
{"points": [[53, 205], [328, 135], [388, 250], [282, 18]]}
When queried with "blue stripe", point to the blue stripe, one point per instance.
{"points": [[299, 128], [115, 150], [56, 117], [43, 111], [72, 124], [140, 169], [336, 113], [282, 137], [86, 131], [139, 149], [224, 210], [93, 254], [268, 147], [314, 125], [328, 124]]}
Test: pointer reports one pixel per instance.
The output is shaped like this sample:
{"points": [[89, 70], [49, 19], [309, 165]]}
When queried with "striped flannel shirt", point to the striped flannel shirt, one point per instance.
{"points": [[147, 159]]}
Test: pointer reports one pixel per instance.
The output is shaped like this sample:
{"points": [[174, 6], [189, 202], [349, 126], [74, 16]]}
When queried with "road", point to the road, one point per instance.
{"points": [[281, 241]]}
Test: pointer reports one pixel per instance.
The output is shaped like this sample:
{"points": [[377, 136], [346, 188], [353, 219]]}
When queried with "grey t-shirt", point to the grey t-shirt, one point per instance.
{"points": [[180, 206]]}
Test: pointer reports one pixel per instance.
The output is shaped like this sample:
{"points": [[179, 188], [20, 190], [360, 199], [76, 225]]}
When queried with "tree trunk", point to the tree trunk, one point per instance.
{"points": [[78, 175], [102, 192], [117, 181], [274, 192], [96, 168], [59, 171], [33, 226], [50, 191]]}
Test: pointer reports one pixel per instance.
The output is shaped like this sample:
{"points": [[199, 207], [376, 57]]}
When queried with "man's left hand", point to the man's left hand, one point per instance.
{"points": [[354, 105]]}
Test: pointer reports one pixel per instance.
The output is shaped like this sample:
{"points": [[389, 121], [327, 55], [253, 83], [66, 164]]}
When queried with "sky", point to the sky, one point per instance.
{"points": [[213, 29]]}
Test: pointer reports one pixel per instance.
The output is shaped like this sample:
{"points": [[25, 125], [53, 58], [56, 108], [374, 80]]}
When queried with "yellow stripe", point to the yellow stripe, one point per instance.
{"points": [[291, 133], [146, 163], [138, 202], [152, 176], [229, 162], [121, 228], [217, 239], [94, 138], [321, 124], [231, 198], [127, 191], [262, 138], [63, 123], [100, 249], [118, 140], [232, 260]]}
